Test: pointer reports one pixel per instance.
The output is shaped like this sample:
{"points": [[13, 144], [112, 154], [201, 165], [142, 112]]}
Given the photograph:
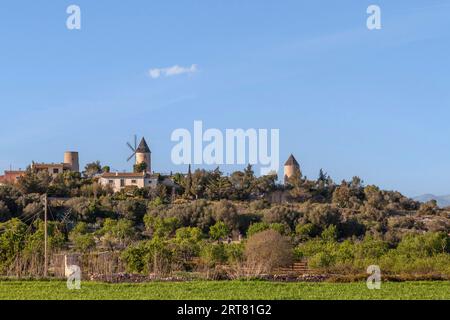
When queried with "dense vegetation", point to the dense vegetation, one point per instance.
{"points": [[240, 221]]}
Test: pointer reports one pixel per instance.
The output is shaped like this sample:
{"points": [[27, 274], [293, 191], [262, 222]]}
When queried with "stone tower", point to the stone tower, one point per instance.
{"points": [[143, 154], [71, 160], [290, 167]]}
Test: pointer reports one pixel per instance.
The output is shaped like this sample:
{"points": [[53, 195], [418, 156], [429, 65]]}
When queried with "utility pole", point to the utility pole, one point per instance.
{"points": [[45, 237]]}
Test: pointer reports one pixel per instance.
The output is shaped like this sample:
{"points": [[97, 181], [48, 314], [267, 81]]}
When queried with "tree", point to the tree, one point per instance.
{"points": [[226, 211], [117, 233], [199, 183], [132, 209], [161, 227], [268, 250], [265, 184], [140, 167], [34, 181], [92, 169], [188, 184], [5, 214], [83, 240], [306, 231], [12, 241], [213, 253], [219, 231], [344, 195], [65, 184]]}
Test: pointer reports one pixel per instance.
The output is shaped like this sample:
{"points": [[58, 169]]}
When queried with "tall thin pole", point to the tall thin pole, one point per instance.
{"points": [[45, 236]]}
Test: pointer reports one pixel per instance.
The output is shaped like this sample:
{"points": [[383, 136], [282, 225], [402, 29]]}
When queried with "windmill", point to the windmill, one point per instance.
{"points": [[133, 148]]}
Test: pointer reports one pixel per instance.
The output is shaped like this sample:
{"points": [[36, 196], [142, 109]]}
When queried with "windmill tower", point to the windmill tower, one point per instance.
{"points": [[141, 153], [290, 168]]}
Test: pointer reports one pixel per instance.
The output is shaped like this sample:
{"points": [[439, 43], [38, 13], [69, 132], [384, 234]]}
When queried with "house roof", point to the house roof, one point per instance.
{"points": [[49, 165], [123, 175], [143, 147], [291, 161], [112, 175]]}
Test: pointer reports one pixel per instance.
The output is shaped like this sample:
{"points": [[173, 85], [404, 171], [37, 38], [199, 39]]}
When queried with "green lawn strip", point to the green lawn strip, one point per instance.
{"points": [[215, 290]]}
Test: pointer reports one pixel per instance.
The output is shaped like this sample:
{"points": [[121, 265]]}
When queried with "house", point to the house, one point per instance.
{"points": [[117, 181], [71, 163], [11, 176]]}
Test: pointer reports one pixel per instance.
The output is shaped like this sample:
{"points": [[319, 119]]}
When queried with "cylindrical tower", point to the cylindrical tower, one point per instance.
{"points": [[290, 168], [71, 159], [143, 154]]}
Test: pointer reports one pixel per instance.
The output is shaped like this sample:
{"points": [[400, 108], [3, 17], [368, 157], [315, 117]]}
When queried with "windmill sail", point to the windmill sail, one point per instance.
{"points": [[134, 149]]}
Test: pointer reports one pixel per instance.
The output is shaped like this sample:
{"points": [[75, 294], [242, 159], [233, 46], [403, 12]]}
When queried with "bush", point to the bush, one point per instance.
{"points": [[213, 253], [268, 250], [306, 231], [82, 239], [257, 227], [219, 231]]}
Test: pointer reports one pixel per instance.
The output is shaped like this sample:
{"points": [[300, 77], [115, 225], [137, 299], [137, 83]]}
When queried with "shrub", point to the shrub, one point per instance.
{"points": [[82, 239], [257, 227], [213, 253], [268, 250], [219, 231]]}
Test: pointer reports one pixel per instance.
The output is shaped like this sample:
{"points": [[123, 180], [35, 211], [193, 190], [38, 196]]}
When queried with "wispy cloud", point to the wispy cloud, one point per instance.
{"points": [[171, 71]]}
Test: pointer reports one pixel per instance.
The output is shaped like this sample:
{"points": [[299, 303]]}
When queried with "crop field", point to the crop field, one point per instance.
{"points": [[226, 290]]}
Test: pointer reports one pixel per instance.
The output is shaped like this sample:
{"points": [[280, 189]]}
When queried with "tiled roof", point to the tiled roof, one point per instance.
{"points": [[124, 175], [47, 165]]}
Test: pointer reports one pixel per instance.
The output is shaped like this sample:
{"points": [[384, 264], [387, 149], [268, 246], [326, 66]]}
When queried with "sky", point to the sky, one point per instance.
{"points": [[353, 101]]}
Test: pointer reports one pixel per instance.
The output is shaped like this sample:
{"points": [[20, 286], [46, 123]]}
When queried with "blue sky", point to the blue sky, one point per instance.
{"points": [[352, 101]]}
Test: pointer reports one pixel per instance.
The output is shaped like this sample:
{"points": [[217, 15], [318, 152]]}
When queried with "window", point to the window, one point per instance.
{"points": [[122, 183], [56, 170], [133, 181], [111, 181]]}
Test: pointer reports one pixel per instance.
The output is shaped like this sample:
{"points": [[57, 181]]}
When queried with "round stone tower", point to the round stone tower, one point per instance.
{"points": [[143, 154], [72, 161], [290, 167]]}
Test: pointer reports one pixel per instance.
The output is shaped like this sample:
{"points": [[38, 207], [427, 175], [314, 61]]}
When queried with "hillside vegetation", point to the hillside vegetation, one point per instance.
{"points": [[240, 223]]}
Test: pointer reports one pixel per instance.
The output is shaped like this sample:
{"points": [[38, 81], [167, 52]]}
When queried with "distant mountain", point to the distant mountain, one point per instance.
{"points": [[442, 201]]}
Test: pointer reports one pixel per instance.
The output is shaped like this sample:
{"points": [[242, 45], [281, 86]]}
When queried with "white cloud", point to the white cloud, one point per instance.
{"points": [[171, 71]]}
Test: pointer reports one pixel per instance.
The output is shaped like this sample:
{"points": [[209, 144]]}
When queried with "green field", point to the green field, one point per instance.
{"points": [[211, 290]]}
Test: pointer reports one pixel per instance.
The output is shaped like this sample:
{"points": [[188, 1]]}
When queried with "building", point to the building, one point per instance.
{"points": [[117, 181], [11, 176], [144, 155], [71, 163], [290, 168], [120, 180]]}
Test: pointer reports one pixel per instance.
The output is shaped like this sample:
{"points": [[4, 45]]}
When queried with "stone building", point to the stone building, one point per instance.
{"points": [[290, 167], [71, 163]]}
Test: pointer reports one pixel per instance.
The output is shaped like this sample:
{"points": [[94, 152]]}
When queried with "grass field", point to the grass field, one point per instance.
{"points": [[215, 290]]}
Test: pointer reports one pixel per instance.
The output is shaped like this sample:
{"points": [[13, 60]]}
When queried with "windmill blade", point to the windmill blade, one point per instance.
{"points": [[135, 142], [131, 157], [129, 146]]}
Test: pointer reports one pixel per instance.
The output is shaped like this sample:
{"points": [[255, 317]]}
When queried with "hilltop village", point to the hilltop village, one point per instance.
{"points": [[142, 175], [211, 225]]}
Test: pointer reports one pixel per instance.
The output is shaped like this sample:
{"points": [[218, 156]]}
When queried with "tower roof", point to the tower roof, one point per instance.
{"points": [[143, 147], [291, 161]]}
